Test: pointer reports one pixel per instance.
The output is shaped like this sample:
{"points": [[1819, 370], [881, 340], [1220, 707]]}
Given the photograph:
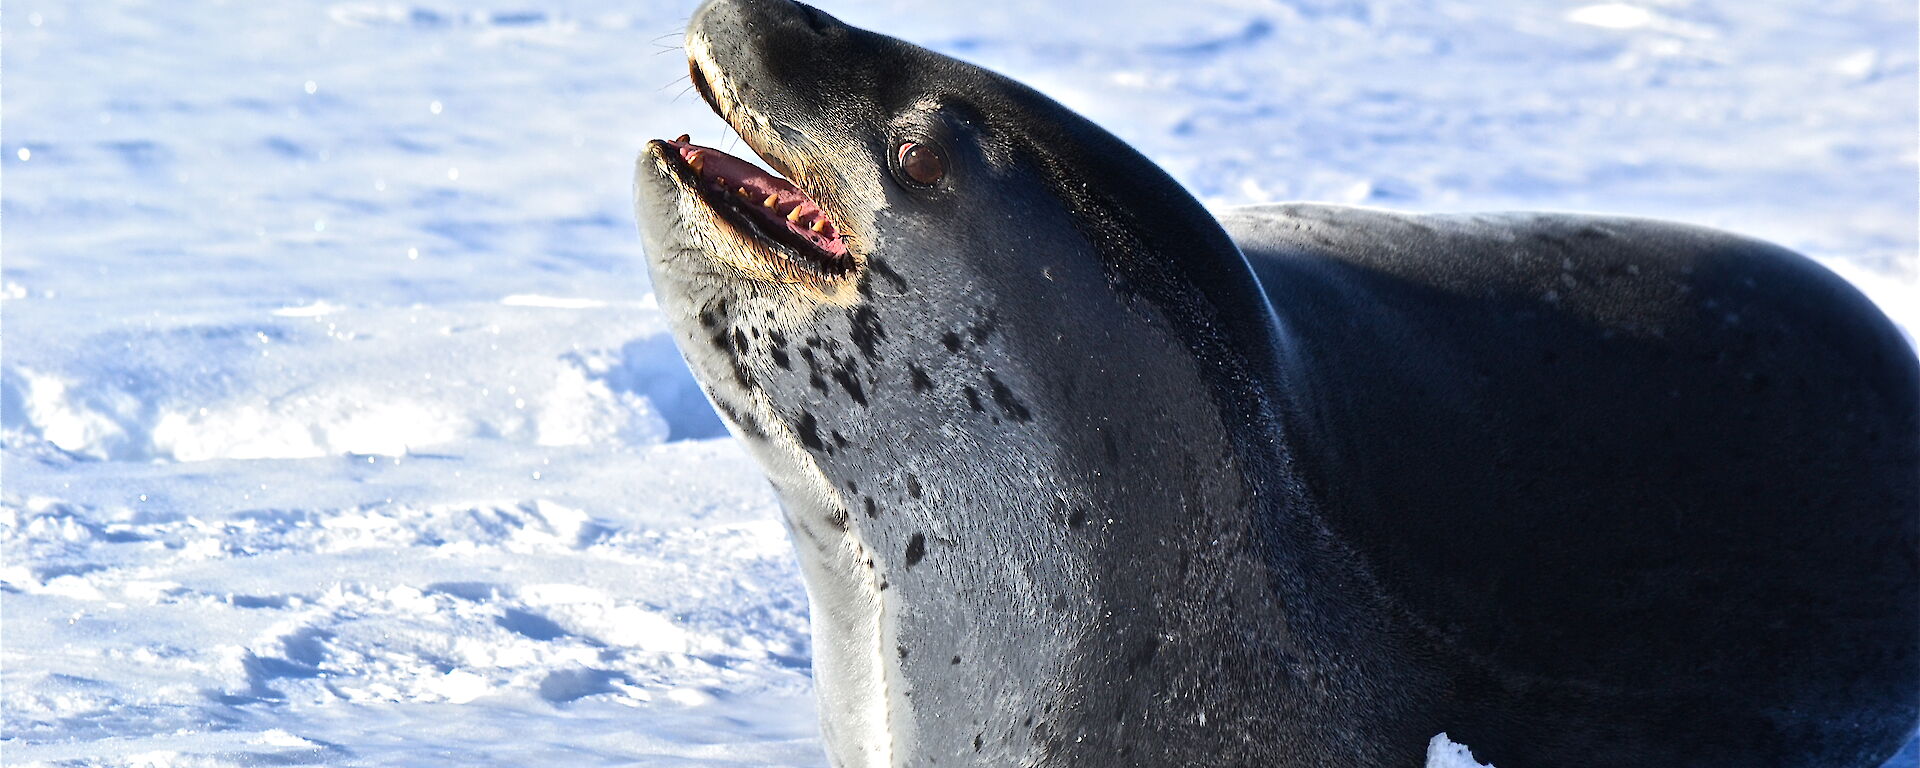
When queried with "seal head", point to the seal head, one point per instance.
{"points": [[1023, 360]]}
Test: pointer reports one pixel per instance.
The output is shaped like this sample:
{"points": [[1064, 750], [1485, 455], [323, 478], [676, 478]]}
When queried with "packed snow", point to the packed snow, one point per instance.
{"points": [[341, 427]]}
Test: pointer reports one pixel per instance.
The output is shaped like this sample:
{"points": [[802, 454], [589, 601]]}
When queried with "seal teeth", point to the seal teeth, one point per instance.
{"points": [[811, 239]]}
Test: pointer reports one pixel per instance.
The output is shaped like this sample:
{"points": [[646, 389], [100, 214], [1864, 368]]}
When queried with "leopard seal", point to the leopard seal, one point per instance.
{"points": [[1079, 474]]}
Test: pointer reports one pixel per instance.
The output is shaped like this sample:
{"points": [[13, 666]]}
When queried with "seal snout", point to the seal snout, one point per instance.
{"points": [[819, 22], [761, 13], [773, 224]]}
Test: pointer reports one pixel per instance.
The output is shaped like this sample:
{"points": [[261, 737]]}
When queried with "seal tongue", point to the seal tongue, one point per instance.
{"points": [[773, 201]]}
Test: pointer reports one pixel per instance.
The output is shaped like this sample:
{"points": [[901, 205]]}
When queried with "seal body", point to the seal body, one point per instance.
{"points": [[1652, 486], [1079, 477]]}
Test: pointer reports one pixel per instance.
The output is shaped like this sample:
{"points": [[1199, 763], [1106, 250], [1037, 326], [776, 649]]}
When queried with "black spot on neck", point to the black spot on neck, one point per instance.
{"points": [[866, 330], [951, 340], [777, 348], [742, 376], [748, 425], [851, 384], [880, 268], [983, 329], [1003, 397], [916, 549], [921, 383], [809, 429], [813, 371]]}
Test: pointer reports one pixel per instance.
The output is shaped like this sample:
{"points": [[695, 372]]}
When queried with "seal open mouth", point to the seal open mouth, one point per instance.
{"points": [[795, 239], [764, 207]]}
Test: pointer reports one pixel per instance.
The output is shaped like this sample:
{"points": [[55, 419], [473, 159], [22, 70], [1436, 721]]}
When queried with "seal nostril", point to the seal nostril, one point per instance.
{"points": [[817, 21], [701, 86]]}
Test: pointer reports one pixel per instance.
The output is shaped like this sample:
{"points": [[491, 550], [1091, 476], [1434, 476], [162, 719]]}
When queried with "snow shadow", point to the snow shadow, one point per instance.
{"points": [[652, 368]]}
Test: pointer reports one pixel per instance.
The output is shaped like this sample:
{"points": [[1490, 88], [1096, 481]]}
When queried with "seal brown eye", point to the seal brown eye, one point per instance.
{"points": [[920, 164]]}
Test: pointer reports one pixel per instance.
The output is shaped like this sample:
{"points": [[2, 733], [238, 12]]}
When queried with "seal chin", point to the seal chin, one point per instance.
{"points": [[700, 250]]}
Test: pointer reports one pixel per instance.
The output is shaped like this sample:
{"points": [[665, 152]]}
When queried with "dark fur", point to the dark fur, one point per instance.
{"points": [[1653, 486]]}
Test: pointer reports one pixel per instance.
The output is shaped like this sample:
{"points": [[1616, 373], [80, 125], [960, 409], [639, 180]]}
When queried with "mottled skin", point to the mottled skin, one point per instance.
{"points": [[1072, 487]]}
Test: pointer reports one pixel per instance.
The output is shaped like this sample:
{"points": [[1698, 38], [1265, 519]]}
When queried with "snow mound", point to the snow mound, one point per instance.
{"points": [[366, 382], [1442, 752], [339, 425]]}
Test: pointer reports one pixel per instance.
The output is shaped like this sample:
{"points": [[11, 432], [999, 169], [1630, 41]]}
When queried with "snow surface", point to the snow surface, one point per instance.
{"points": [[339, 422]]}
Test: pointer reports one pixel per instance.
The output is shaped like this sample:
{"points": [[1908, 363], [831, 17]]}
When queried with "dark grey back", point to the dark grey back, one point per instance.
{"points": [[1652, 487]]}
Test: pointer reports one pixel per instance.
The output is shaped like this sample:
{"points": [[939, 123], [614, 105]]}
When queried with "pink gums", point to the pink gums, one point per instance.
{"points": [[721, 173]]}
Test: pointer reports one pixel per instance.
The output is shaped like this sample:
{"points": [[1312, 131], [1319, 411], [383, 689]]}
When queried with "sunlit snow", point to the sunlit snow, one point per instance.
{"points": [[340, 424]]}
